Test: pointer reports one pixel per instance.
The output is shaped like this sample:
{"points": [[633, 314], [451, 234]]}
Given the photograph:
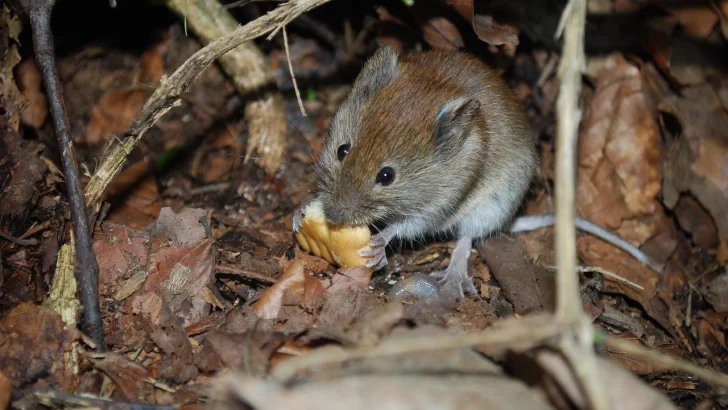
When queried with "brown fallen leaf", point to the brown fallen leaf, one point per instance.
{"points": [[30, 83], [716, 292], [153, 315], [291, 281], [339, 307], [439, 32], [134, 196], [11, 99], [619, 156], [345, 278], [25, 171], [181, 263], [697, 161], [638, 364], [453, 378], [113, 113], [620, 176], [698, 21], [34, 343], [695, 220], [416, 391], [162, 278], [121, 251], [484, 26], [711, 338], [6, 391], [723, 9], [127, 375], [624, 390], [252, 352], [217, 157], [391, 31], [152, 62], [435, 21], [529, 287]]}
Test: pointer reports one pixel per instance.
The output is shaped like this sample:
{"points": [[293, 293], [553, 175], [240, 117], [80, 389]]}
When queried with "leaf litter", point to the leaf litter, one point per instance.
{"points": [[208, 301]]}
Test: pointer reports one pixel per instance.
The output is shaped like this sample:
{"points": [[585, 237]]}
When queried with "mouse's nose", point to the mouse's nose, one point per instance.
{"points": [[341, 210]]}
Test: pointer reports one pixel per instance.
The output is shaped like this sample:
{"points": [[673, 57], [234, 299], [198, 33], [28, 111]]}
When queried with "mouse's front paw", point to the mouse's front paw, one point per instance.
{"points": [[378, 253], [299, 214], [455, 282]]}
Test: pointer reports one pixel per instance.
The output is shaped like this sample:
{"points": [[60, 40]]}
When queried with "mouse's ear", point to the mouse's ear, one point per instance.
{"points": [[377, 72], [454, 121]]}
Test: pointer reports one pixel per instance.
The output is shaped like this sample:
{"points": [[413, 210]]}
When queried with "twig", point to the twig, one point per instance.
{"points": [[603, 272], [35, 228], [87, 269], [532, 330], [54, 398], [245, 273], [568, 116], [577, 343], [293, 76], [18, 241], [631, 348]]}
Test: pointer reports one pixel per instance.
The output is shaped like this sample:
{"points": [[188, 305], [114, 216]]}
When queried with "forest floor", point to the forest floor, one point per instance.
{"points": [[200, 273]]}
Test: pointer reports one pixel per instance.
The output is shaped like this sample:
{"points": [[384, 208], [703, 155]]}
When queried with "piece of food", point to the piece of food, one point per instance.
{"points": [[338, 244]]}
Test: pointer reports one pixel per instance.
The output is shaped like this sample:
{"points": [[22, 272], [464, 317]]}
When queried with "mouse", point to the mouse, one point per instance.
{"points": [[431, 143]]}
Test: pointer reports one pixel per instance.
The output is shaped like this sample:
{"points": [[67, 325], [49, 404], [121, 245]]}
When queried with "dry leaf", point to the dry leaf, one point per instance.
{"points": [[620, 176], [695, 220], [128, 376], [624, 390], [134, 196], [698, 159], [30, 83], [217, 157], [113, 113], [391, 31], [716, 293], [698, 22], [34, 343], [121, 251], [485, 27], [6, 391], [291, 281]]}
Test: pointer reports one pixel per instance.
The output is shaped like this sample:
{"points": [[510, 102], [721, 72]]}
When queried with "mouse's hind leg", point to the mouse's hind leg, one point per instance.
{"points": [[455, 280]]}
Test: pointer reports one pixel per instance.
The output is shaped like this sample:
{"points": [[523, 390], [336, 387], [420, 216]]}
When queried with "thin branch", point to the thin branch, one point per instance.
{"points": [[633, 349], [568, 117], [576, 344], [293, 77], [56, 398], [603, 272], [18, 241], [87, 269], [244, 273], [507, 335]]}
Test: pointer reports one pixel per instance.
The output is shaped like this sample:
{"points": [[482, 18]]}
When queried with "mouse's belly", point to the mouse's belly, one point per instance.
{"points": [[485, 212]]}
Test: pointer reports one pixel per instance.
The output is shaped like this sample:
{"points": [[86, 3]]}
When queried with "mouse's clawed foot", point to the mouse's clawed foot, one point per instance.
{"points": [[455, 279], [455, 282], [298, 214], [378, 254]]}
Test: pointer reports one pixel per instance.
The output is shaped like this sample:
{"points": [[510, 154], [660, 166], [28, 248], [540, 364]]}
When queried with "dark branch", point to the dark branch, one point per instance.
{"points": [[87, 269]]}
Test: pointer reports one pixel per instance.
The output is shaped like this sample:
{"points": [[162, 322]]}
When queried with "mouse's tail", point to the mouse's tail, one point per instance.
{"points": [[532, 222]]}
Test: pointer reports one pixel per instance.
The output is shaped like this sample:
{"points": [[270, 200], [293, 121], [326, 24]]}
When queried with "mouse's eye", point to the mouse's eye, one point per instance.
{"points": [[385, 176], [342, 151]]}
